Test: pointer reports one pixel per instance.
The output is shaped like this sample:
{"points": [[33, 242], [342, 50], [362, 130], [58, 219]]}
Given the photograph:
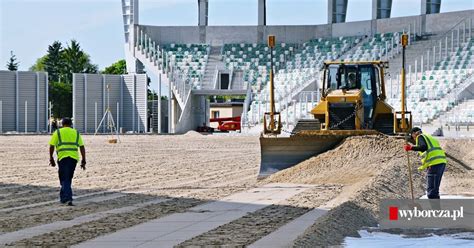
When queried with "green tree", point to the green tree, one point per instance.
{"points": [[60, 94], [60, 63], [12, 64], [54, 62], [118, 68], [76, 61], [39, 64]]}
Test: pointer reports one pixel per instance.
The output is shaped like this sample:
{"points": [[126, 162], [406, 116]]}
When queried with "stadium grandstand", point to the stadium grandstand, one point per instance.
{"points": [[201, 61]]}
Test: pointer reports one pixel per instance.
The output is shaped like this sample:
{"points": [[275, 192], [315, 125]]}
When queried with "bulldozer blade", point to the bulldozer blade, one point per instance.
{"points": [[281, 153]]}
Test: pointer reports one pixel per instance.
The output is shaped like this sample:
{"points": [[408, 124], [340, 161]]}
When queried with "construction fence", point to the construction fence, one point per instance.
{"points": [[125, 96], [23, 101]]}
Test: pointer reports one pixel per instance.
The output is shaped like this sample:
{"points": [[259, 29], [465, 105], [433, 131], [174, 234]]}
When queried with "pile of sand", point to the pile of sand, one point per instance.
{"points": [[457, 179], [192, 134], [355, 160], [369, 168], [461, 149]]}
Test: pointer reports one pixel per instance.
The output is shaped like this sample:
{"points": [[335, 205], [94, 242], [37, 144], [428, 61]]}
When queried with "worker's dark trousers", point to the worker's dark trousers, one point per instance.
{"points": [[66, 173], [435, 173]]}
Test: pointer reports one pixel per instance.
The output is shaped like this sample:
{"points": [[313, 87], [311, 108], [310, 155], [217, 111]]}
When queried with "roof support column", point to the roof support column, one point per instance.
{"points": [[337, 10], [203, 12], [262, 12], [430, 7], [381, 9]]}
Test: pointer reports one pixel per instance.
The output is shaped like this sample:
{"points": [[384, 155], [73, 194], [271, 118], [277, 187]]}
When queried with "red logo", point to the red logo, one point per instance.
{"points": [[393, 213]]}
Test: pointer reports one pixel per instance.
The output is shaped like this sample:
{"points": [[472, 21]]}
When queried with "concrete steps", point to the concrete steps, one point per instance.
{"points": [[214, 62], [238, 81]]}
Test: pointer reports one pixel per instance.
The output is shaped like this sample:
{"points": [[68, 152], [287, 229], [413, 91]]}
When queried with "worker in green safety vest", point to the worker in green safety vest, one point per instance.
{"points": [[66, 141], [433, 158]]}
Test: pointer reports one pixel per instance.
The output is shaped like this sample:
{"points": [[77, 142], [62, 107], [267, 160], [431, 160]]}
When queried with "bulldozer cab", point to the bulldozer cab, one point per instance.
{"points": [[346, 85]]}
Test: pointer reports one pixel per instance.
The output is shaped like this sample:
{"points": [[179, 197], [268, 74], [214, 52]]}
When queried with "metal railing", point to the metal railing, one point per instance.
{"points": [[438, 48]]}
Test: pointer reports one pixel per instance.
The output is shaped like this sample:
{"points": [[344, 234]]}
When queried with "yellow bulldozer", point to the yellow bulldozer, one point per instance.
{"points": [[353, 102]]}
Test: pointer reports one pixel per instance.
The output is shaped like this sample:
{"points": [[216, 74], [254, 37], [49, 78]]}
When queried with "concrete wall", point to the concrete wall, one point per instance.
{"points": [[398, 24], [444, 21], [218, 35], [352, 28], [193, 115], [16, 88], [129, 91]]}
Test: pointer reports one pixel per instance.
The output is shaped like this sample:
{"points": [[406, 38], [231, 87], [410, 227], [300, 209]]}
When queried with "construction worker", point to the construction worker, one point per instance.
{"points": [[66, 140], [352, 80], [433, 158]]}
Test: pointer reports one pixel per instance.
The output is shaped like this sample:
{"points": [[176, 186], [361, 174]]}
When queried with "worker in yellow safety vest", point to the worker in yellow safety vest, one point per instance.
{"points": [[66, 141], [433, 158]]}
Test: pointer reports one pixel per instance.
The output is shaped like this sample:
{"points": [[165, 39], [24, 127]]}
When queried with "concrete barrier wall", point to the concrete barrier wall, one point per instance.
{"points": [[360, 28], [445, 21], [166, 35], [398, 24], [297, 34], [218, 35], [16, 88]]}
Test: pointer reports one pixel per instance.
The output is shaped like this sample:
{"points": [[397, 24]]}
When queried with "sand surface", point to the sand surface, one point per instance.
{"points": [[368, 169], [193, 169], [459, 181]]}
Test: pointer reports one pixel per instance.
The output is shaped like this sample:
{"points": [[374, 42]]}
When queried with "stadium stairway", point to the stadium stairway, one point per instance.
{"points": [[213, 65]]}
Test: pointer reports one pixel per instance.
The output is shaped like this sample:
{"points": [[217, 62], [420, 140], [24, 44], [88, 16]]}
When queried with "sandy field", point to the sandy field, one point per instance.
{"points": [[193, 169]]}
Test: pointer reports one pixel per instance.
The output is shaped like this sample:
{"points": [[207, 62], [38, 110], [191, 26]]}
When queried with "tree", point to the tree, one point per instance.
{"points": [[60, 94], [60, 63], [39, 64], [76, 61], [12, 64], [118, 68], [53, 62]]}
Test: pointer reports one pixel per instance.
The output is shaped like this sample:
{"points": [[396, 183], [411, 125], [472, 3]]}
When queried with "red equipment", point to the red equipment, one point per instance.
{"points": [[227, 123]]}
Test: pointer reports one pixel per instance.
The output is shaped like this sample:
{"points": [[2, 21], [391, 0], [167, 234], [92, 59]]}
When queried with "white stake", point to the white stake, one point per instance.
{"points": [[26, 116], [95, 116], [50, 117]]}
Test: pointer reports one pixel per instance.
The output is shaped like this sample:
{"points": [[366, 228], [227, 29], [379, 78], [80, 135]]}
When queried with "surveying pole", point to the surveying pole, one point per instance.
{"points": [[404, 125], [404, 44], [271, 44]]}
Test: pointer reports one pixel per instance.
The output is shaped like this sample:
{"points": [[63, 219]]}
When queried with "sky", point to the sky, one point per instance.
{"points": [[27, 27]]}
